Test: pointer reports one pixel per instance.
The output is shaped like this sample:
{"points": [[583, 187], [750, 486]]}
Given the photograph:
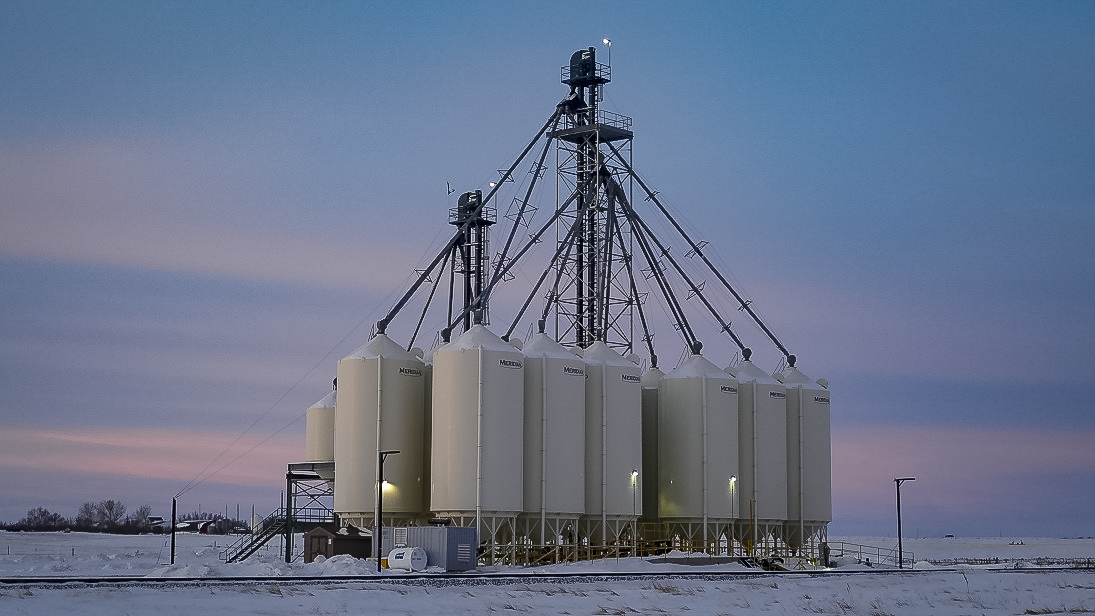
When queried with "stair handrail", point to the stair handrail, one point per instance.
{"points": [[248, 544]]}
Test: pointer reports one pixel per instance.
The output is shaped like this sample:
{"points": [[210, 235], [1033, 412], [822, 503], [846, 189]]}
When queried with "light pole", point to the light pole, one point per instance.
{"points": [[377, 536], [733, 496], [733, 511], [607, 42], [634, 486], [900, 552]]}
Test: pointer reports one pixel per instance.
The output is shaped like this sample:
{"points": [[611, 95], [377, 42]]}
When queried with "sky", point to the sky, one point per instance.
{"points": [[205, 205]]}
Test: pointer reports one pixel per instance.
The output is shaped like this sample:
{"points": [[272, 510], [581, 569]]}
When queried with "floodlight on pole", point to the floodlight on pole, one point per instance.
{"points": [[900, 552], [607, 42], [733, 495], [377, 535], [634, 487]]}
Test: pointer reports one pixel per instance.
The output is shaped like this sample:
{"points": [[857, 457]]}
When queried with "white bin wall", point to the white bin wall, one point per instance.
{"points": [[614, 429], [763, 444], [427, 432], [810, 403], [554, 429], [478, 420], [379, 378], [319, 430], [697, 441]]}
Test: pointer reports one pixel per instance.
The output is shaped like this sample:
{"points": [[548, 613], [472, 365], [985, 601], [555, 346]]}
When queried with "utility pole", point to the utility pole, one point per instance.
{"points": [[174, 512], [900, 552]]}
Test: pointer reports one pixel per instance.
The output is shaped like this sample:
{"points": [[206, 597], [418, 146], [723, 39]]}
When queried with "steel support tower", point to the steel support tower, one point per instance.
{"points": [[596, 301]]}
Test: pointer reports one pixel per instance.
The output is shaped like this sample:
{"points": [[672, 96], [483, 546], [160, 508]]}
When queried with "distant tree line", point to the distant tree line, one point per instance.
{"points": [[107, 516], [220, 525]]}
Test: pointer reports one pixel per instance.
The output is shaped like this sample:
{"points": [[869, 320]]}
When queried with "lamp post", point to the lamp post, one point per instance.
{"points": [[634, 486], [733, 496], [377, 536], [900, 552], [733, 511]]}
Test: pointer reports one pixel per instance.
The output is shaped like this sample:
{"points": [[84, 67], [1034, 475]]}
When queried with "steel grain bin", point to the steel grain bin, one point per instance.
{"points": [[554, 429], [762, 449], [613, 444], [809, 457], [319, 430], [478, 423], [697, 444], [380, 406]]}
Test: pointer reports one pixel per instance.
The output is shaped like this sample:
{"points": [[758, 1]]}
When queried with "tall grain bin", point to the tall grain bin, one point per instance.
{"points": [[379, 406], [554, 487], [478, 422], [809, 459], [762, 455], [697, 450], [319, 431], [649, 471], [613, 448]]}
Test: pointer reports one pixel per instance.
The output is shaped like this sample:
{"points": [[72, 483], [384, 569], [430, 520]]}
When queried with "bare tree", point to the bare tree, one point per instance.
{"points": [[86, 516], [110, 513], [41, 518], [138, 520]]}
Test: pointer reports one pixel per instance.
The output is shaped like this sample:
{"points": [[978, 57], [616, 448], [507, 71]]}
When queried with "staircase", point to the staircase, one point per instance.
{"points": [[270, 527]]}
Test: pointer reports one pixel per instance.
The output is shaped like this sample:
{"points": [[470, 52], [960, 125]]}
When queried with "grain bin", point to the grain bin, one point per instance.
{"points": [[809, 458], [478, 420], [697, 449], [319, 430], [762, 453], [379, 406], [554, 431], [613, 447]]}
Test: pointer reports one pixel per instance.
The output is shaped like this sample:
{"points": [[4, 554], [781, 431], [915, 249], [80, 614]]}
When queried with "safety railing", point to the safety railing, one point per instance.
{"points": [[581, 117], [870, 555], [270, 527]]}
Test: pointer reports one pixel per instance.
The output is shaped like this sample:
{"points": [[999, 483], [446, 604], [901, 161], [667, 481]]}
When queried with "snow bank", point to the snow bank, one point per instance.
{"points": [[972, 590]]}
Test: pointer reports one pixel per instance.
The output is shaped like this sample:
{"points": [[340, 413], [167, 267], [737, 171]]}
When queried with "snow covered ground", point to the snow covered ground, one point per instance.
{"points": [[856, 590]]}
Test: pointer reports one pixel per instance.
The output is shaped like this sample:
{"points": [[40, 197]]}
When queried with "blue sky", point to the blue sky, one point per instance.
{"points": [[204, 205]]}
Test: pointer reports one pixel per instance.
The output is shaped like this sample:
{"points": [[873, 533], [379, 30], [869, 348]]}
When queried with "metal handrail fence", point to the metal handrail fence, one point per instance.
{"points": [[864, 552]]}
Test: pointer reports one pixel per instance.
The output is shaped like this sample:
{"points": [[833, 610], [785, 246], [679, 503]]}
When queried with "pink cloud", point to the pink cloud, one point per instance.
{"points": [[152, 454], [140, 203], [957, 469]]}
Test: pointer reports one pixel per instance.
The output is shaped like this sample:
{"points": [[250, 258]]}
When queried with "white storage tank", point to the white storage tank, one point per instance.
{"points": [[613, 441], [379, 407], [649, 471], [478, 420], [319, 430], [407, 559], [554, 429], [762, 450], [809, 457], [697, 444]]}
